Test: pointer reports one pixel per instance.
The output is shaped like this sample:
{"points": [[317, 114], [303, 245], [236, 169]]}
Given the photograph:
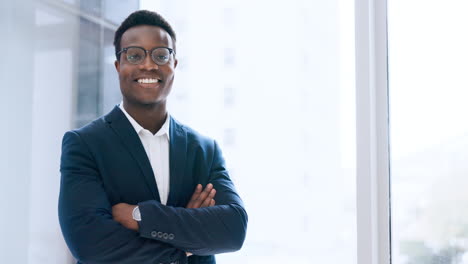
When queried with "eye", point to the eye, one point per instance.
{"points": [[133, 57], [161, 56]]}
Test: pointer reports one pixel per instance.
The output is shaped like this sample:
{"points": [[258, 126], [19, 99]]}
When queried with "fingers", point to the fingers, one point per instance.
{"points": [[202, 198], [194, 197], [203, 195], [207, 201]]}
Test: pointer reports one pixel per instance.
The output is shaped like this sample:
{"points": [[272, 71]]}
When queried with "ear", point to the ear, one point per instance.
{"points": [[117, 65]]}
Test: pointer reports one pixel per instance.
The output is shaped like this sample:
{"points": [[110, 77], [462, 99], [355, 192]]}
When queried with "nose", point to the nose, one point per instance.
{"points": [[148, 63]]}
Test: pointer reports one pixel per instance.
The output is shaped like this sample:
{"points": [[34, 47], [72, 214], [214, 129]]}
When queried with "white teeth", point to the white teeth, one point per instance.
{"points": [[147, 80]]}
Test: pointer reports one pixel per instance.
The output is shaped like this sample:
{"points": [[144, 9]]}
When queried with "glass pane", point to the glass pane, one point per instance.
{"points": [[53, 49], [88, 105], [429, 134], [91, 7], [65, 49], [276, 89], [117, 11], [110, 80]]}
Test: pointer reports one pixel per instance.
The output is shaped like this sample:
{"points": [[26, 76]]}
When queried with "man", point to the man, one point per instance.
{"points": [[131, 181]]}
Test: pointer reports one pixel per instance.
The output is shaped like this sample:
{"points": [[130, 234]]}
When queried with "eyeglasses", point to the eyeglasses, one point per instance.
{"points": [[136, 55]]}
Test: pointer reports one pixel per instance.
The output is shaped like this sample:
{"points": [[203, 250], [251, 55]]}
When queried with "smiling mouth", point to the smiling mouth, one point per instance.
{"points": [[148, 80]]}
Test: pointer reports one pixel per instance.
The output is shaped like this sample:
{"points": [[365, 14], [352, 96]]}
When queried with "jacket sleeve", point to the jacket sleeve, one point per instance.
{"points": [[201, 231], [85, 215]]}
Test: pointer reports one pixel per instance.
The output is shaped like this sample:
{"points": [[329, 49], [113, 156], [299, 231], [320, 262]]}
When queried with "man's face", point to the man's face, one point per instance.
{"points": [[134, 90]]}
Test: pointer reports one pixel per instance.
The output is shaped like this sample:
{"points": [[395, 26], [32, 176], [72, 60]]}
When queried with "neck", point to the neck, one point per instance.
{"points": [[150, 117]]}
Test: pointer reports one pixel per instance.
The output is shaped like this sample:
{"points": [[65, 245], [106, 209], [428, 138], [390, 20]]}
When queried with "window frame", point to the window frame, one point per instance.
{"points": [[372, 134]]}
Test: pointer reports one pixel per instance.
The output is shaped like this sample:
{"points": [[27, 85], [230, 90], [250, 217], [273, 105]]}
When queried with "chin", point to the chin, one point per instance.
{"points": [[146, 102]]}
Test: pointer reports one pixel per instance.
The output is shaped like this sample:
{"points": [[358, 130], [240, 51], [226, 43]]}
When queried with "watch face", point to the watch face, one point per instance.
{"points": [[136, 214]]}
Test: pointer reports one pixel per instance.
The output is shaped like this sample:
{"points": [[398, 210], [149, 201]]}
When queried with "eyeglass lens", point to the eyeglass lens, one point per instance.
{"points": [[136, 55]]}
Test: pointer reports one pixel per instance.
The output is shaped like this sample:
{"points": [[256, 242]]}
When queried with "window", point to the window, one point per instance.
{"points": [[273, 82], [429, 133], [68, 47]]}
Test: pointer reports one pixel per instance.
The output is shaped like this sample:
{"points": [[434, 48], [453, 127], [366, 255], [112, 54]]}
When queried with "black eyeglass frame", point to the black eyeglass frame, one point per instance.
{"points": [[171, 52]]}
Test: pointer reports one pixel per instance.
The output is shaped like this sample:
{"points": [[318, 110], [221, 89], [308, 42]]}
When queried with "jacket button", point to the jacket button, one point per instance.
{"points": [[160, 234], [154, 233], [165, 235], [171, 236]]}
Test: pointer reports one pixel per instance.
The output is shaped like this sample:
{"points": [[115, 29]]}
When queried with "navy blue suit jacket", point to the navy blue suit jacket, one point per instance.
{"points": [[104, 163]]}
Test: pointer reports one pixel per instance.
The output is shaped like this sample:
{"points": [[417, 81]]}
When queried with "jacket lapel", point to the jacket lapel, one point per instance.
{"points": [[177, 159], [122, 127]]}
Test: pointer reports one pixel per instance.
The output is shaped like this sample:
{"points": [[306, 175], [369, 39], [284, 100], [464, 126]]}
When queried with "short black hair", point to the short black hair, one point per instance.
{"points": [[142, 17]]}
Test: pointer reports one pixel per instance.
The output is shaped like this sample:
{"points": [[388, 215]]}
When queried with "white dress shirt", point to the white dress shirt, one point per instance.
{"points": [[157, 150]]}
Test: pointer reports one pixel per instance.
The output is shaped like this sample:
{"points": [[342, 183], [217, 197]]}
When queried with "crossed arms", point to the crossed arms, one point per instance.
{"points": [[123, 212], [94, 236]]}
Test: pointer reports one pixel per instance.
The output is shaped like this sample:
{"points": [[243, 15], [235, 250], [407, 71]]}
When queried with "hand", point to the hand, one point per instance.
{"points": [[203, 198], [122, 213]]}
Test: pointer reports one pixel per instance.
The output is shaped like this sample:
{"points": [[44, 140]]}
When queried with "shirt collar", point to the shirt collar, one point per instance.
{"points": [[164, 130]]}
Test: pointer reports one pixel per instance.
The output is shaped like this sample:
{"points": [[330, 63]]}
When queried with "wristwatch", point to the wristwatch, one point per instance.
{"points": [[136, 214]]}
